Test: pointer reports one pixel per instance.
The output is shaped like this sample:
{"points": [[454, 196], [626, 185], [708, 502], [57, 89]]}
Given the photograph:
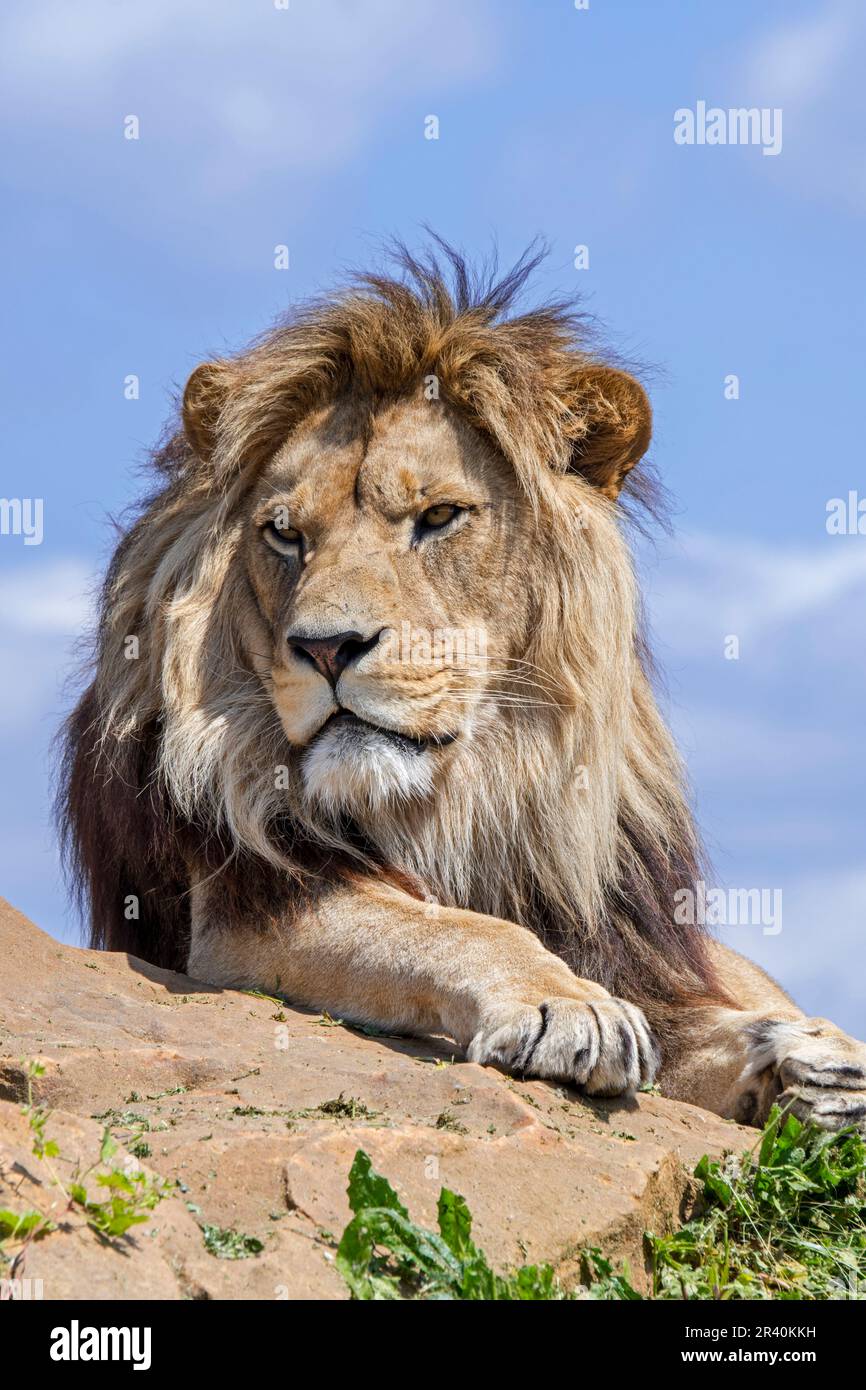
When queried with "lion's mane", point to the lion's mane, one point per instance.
{"points": [[169, 756]]}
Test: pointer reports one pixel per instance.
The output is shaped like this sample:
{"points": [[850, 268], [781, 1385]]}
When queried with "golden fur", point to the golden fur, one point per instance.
{"points": [[411, 771]]}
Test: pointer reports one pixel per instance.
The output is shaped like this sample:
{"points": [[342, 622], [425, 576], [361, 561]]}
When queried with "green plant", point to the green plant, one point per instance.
{"points": [[346, 1107], [226, 1244], [603, 1280], [132, 1194], [20, 1228], [449, 1121], [383, 1255], [785, 1221]]}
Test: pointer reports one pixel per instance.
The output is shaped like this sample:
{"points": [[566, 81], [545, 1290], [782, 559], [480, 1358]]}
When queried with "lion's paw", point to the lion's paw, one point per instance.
{"points": [[806, 1066], [604, 1045]]}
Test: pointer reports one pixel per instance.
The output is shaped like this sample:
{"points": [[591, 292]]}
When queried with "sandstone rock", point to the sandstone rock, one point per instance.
{"points": [[230, 1093]]}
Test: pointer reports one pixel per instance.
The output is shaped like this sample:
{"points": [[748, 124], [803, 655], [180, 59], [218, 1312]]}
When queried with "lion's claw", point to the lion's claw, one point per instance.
{"points": [[809, 1067], [603, 1045]]}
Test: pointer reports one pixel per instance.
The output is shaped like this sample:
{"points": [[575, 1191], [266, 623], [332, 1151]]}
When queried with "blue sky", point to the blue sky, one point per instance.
{"points": [[262, 126]]}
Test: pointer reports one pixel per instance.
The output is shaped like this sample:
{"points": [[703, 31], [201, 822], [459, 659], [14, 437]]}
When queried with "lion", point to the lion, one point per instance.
{"points": [[371, 722]]}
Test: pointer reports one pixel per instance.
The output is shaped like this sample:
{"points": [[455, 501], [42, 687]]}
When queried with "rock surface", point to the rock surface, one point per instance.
{"points": [[227, 1095]]}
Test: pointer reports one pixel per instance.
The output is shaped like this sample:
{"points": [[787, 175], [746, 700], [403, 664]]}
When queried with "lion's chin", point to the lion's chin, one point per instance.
{"points": [[352, 766]]}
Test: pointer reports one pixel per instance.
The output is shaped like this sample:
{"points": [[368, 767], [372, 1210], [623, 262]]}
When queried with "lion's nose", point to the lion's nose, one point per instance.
{"points": [[331, 655]]}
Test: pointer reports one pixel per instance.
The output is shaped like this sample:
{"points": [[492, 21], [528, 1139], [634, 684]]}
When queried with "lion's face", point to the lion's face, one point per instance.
{"points": [[388, 556]]}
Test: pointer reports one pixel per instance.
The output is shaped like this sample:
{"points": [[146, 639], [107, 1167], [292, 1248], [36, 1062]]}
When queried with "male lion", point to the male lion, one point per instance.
{"points": [[385, 740]]}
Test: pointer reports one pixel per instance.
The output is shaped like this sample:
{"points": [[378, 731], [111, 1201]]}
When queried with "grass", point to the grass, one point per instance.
{"points": [[450, 1122], [347, 1108], [128, 1196], [786, 1220], [226, 1244]]}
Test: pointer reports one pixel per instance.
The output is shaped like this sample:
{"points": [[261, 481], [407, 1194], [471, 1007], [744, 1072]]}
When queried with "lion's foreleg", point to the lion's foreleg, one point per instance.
{"points": [[374, 954]]}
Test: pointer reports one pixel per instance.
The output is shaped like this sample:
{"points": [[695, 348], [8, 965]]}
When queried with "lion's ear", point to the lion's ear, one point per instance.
{"points": [[203, 400], [614, 424]]}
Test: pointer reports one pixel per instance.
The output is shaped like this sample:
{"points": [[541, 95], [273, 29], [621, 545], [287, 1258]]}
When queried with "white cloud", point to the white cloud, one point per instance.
{"points": [[798, 61], [44, 608], [60, 39], [48, 599], [254, 89], [719, 584], [812, 67], [772, 738]]}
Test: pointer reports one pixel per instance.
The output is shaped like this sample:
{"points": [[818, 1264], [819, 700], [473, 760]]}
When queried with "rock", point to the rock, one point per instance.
{"points": [[228, 1096]]}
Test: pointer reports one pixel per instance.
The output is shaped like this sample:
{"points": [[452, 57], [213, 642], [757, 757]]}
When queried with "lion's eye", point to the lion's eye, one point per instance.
{"points": [[436, 517], [284, 539]]}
